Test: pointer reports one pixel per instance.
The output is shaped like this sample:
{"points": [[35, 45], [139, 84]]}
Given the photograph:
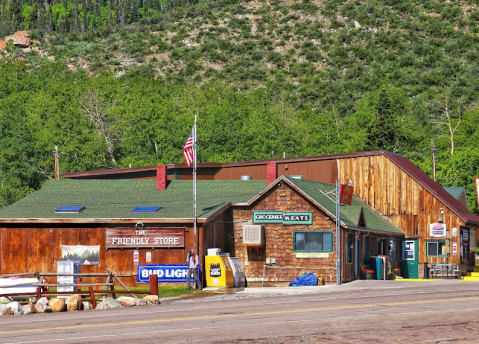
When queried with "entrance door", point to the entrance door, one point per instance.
{"points": [[409, 261]]}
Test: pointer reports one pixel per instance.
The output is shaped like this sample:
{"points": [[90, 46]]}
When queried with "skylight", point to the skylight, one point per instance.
{"points": [[146, 209], [74, 209]]}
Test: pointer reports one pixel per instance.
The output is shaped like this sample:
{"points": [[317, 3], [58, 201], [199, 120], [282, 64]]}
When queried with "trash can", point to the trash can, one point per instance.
{"points": [[379, 268]]}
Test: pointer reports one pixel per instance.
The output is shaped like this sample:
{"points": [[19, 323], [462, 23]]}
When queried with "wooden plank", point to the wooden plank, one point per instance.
{"points": [[372, 181], [40, 253], [15, 252]]}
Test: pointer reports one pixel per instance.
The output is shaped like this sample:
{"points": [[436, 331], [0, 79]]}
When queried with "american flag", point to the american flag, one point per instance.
{"points": [[188, 150]]}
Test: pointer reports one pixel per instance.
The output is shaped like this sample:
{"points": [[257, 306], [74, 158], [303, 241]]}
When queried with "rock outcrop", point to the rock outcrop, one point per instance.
{"points": [[21, 39]]}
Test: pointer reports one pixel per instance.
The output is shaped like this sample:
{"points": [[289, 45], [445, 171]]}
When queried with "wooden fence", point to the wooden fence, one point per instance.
{"points": [[93, 289]]}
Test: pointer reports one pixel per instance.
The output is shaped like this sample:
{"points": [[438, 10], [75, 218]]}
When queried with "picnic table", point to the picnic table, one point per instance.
{"points": [[444, 270]]}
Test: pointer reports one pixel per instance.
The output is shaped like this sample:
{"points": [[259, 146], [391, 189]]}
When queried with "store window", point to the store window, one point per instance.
{"points": [[313, 241], [393, 250], [436, 249]]}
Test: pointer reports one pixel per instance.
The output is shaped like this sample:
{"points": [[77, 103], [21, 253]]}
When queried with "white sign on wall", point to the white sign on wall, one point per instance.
{"points": [[437, 230]]}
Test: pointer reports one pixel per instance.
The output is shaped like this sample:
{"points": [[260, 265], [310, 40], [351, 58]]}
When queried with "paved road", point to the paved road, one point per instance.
{"points": [[357, 312]]}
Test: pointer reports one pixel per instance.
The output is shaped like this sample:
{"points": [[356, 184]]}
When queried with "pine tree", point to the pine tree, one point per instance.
{"points": [[381, 133]]}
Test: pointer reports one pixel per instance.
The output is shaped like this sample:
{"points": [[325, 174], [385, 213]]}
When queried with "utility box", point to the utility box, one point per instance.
{"points": [[68, 267], [239, 276], [219, 272]]}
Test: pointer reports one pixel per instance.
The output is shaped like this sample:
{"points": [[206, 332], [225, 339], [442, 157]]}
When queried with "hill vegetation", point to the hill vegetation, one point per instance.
{"points": [[116, 83]]}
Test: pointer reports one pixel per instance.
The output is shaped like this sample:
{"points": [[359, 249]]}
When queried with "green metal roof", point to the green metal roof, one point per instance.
{"points": [[115, 199], [455, 191], [324, 195]]}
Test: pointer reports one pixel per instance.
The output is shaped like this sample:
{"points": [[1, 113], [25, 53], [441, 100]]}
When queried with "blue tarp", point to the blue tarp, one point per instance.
{"points": [[305, 280]]}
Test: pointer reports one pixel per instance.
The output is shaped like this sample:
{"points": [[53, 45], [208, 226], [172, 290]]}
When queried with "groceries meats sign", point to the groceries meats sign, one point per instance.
{"points": [[145, 237], [286, 218]]}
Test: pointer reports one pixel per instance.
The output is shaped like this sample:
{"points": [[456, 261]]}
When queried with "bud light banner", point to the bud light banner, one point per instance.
{"points": [[172, 273]]}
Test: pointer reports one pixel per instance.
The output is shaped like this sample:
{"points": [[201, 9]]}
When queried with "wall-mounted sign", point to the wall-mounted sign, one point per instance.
{"points": [[345, 194], [147, 237], [437, 230], [136, 257], [148, 257], [454, 248], [88, 255], [454, 232], [173, 273], [267, 216], [286, 217]]}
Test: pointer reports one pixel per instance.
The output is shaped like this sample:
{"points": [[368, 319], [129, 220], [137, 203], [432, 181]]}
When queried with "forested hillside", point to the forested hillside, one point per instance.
{"points": [[116, 83]]}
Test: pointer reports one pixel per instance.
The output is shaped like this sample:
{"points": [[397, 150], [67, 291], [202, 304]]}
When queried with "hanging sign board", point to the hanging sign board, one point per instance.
{"points": [[345, 194], [437, 230], [146, 237]]}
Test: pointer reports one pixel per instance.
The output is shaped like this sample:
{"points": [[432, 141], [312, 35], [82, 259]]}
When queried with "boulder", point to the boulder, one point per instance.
{"points": [[3, 45], [86, 306], [21, 34], [127, 301], [32, 307], [41, 305], [6, 312], [57, 305], [73, 303], [108, 303], [15, 307], [152, 299], [20, 39], [27, 309]]}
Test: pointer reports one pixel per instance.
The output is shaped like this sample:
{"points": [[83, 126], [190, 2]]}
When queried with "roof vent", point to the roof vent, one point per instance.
{"points": [[246, 178]]}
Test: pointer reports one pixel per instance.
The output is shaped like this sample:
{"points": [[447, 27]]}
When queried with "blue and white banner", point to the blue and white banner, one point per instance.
{"points": [[173, 273]]}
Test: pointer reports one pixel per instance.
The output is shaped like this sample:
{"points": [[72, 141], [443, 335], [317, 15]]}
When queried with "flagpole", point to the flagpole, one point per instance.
{"points": [[194, 183]]}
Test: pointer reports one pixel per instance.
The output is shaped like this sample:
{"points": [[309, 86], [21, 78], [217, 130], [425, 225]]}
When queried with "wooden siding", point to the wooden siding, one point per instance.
{"points": [[39, 249], [390, 191]]}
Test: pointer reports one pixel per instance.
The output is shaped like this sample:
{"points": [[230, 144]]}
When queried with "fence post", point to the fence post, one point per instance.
{"points": [[153, 284], [92, 296]]}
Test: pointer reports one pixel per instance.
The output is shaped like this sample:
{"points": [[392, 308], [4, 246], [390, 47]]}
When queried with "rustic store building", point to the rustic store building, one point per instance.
{"points": [[398, 212]]}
